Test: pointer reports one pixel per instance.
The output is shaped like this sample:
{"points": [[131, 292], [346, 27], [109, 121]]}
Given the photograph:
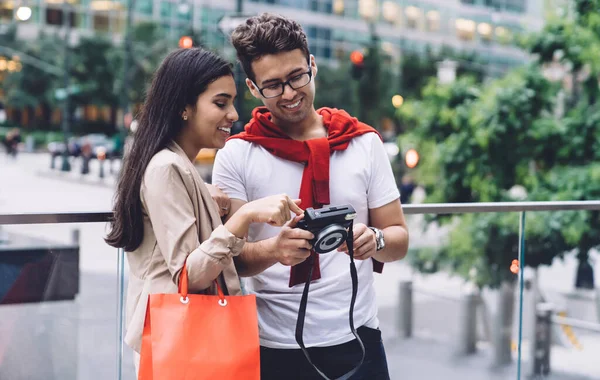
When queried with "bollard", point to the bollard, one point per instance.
{"points": [[85, 165], [29, 144], [101, 175], [542, 340], [598, 303], [468, 322], [502, 328], [52, 161], [110, 165], [101, 156], [75, 235], [405, 314]]}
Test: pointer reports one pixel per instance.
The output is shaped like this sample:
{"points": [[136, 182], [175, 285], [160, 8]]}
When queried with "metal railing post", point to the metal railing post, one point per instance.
{"points": [[542, 340], [597, 298], [405, 312], [468, 322]]}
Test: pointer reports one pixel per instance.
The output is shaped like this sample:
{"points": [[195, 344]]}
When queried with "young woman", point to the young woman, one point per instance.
{"points": [[164, 216]]}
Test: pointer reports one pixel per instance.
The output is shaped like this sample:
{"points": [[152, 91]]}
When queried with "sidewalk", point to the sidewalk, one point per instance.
{"points": [[427, 359], [431, 352]]}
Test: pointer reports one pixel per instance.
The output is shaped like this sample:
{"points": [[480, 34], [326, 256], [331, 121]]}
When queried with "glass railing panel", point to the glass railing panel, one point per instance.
{"points": [[561, 300], [450, 306], [59, 312]]}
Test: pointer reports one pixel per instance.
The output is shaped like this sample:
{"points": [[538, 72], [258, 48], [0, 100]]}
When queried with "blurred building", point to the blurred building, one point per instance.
{"points": [[334, 27]]}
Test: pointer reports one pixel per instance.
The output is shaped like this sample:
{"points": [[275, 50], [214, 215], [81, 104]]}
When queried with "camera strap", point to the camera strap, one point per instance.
{"points": [[302, 311]]}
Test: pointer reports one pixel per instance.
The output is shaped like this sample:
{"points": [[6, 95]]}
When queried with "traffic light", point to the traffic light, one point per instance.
{"points": [[411, 158], [358, 64], [186, 42]]}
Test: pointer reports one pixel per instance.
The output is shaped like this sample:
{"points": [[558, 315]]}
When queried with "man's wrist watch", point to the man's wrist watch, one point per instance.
{"points": [[378, 238]]}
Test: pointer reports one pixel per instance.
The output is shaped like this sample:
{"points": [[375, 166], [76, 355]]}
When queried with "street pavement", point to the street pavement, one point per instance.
{"points": [[78, 340]]}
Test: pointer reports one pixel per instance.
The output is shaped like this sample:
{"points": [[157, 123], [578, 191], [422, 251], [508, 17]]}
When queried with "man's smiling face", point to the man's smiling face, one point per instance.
{"points": [[294, 105]]}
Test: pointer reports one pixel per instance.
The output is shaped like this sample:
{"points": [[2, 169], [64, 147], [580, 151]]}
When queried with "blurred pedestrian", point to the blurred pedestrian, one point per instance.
{"points": [[11, 142]]}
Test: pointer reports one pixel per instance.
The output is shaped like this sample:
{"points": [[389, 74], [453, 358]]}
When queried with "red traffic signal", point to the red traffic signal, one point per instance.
{"points": [[186, 42], [411, 158], [358, 62], [357, 58]]}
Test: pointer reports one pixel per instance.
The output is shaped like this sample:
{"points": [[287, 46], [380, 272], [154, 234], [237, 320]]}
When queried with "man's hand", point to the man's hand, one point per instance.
{"points": [[291, 246], [365, 243], [222, 200]]}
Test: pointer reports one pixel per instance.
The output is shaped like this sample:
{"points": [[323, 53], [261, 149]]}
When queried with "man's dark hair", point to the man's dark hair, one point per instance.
{"points": [[267, 34]]}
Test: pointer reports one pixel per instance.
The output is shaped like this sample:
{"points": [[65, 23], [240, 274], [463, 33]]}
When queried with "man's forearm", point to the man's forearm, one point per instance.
{"points": [[255, 258], [396, 244]]}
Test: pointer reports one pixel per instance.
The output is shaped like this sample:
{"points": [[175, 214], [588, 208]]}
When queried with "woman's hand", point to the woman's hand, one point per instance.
{"points": [[222, 200], [275, 210]]}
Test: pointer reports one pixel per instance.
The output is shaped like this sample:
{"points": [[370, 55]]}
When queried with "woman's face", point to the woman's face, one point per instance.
{"points": [[210, 122]]}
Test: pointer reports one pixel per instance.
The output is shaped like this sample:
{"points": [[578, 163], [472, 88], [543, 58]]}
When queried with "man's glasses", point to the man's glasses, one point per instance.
{"points": [[277, 89]]}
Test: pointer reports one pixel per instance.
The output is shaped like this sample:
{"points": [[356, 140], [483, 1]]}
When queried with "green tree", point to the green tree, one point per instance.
{"points": [[335, 90], [34, 87], [370, 89], [95, 65], [480, 143], [149, 49], [417, 69]]}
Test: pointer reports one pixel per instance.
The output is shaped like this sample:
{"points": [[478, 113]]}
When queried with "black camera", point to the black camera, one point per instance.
{"points": [[329, 225]]}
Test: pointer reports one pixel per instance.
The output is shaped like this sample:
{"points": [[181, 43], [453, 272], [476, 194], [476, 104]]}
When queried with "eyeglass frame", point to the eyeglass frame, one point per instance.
{"points": [[286, 83]]}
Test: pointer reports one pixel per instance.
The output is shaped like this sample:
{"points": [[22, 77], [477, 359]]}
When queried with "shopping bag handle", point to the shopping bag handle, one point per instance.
{"points": [[183, 287]]}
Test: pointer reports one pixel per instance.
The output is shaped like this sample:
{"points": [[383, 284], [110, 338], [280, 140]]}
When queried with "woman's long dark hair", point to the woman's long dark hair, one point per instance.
{"points": [[181, 78]]}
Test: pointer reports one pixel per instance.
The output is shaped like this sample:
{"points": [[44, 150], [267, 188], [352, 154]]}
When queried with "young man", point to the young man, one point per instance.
{"points": [[323, 157]]}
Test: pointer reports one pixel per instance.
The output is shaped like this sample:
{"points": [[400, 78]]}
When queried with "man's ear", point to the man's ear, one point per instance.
{"points": [[313, 65], [252, 88]]}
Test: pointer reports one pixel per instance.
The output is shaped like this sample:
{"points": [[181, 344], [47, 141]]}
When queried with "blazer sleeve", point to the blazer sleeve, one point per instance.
{"points": [[171, 211]]}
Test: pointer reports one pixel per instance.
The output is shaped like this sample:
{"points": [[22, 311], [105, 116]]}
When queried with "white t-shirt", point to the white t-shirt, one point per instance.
{"points": [[361, 176]]}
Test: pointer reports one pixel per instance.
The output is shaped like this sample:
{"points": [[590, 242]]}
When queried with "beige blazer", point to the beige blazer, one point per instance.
{"points": [[181, 221]]}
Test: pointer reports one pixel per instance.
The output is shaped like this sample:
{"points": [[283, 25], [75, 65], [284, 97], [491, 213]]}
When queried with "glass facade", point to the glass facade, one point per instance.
{"points": [[473, 25], [485, 26]]}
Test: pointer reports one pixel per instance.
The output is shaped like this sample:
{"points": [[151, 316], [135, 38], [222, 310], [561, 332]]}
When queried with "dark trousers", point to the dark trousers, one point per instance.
{"points": [[334, 361]]}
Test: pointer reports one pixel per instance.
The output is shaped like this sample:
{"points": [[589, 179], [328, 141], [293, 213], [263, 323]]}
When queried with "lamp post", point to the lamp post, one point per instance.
{"points": [[124, 101], [239, 100], [226, 25], [66, 166]]}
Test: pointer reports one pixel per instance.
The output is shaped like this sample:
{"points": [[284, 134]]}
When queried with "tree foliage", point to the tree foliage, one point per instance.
{"points": [[482, 143]]}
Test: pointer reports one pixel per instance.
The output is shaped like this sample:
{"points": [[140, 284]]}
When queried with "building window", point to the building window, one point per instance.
{"points": [[6, 14], [339, 53], [367, 9], [507, 5], [101, 22], [390, 12], [118, 22], [465, 29], [314, 5], [413, 17], [55, 17], [144, 7], [433, 21], [338, 7], [503, 35], [165, 10], [485, 31]]}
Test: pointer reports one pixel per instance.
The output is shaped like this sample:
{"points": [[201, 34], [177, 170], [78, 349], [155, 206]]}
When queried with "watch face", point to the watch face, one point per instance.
{"points": [[381, 240]]}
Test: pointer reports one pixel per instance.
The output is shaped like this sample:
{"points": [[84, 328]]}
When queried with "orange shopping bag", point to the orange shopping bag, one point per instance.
{"points": [[197, 337]]}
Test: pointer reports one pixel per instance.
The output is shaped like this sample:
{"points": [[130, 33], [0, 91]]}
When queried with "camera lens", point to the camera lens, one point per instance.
{"points": [[330, 238]]}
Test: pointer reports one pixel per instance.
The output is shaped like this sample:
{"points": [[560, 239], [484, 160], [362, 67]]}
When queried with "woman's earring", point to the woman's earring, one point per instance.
{"points": [[184, 117]]}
